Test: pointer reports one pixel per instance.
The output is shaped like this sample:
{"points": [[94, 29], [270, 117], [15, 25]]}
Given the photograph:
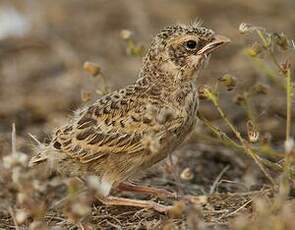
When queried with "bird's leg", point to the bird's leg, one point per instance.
{"points": [[127, 186], [148, 204]]}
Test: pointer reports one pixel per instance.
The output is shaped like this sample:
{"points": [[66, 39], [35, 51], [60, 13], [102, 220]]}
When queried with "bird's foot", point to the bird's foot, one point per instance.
{"points": [[158, 192], [147, 204]]}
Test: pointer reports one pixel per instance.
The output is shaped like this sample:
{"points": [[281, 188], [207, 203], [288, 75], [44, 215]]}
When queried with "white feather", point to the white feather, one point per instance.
{"points": [[105, 186]]}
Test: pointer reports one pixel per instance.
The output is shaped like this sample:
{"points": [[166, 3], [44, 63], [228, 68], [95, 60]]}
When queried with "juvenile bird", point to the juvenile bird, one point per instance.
{"points": [[131, 129]]}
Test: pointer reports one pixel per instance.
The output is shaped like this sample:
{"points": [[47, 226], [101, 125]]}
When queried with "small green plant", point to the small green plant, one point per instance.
{"points": [[261, 51], [269, 54]]}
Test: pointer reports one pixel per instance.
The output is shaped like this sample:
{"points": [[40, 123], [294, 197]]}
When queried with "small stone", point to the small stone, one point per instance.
{"points": [[187, 174]]}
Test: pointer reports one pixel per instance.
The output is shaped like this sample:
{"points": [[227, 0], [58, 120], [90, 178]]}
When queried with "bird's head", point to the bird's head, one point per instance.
{"points": [[181, 50]]}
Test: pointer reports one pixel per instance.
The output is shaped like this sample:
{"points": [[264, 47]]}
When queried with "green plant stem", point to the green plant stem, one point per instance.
{"points": [[227, 141], [245, 145], [289, 103], [221, 135], [289, 85], [266, 44], [288, 156], [275, 61], [223, 138], [249, 109]]}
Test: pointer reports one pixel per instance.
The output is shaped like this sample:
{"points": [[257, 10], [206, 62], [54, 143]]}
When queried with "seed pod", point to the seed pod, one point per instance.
{"points": [[254, 50], [187, 174], [201, 93], [92, 68], [253, 134], [280, 40], [229, 81], [245, 28], [285, 66], [239, 99], [205, 92], [86, 95], [261, 89]]}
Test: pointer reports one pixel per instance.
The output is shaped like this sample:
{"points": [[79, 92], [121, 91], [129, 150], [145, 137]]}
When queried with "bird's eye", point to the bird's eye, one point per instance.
{"points": [[191, 44]]}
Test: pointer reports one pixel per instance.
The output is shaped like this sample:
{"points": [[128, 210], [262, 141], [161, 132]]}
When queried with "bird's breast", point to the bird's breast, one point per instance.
{"points": [[190, 105]]}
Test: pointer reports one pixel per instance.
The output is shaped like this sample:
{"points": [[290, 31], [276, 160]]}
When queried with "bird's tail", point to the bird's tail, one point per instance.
{"points": [[42, 152], [41, 156]]}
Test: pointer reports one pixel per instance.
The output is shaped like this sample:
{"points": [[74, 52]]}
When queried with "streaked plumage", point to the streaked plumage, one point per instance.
{"points": [[132, 128]]}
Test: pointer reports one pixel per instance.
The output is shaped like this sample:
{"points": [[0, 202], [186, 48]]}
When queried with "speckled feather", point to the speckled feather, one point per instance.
{"points": [[111, 138]]}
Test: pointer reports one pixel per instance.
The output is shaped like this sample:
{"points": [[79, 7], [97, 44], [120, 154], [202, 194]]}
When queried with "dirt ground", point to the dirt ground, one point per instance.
{"points": [[42, 78]]}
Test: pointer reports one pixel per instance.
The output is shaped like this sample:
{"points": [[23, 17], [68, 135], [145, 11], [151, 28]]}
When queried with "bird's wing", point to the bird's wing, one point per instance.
{"points": [[115, 125]]}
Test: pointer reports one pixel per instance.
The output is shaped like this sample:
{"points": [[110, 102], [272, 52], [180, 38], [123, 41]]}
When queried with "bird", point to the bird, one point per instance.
{"points": [[130, 129]]}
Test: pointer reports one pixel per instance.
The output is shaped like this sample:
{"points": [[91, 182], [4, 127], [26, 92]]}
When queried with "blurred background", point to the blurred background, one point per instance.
{"points": [[43, 45]]}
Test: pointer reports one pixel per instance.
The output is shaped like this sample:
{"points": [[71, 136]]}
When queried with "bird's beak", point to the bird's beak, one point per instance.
{"points": [[218, 41]]}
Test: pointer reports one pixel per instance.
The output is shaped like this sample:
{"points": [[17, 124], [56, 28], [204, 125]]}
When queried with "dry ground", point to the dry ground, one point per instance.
{"points": [[41, 79]]}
